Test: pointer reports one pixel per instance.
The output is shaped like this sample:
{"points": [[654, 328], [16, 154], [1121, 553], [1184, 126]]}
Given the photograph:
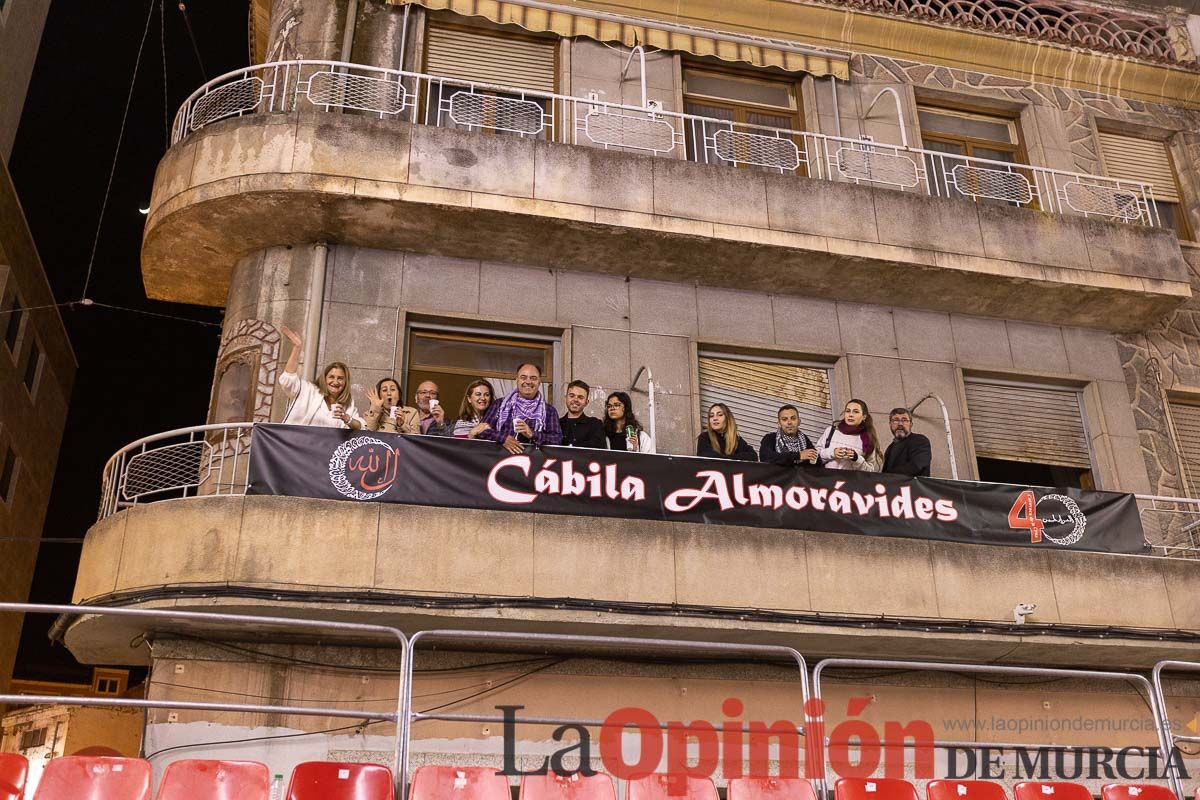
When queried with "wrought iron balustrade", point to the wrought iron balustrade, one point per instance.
{"points": [[327, 86]]}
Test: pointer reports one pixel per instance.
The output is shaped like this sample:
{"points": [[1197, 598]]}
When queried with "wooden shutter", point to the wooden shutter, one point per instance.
{"points": [[1132, 159], [1186, 420], [487, 57], [754, 391], [1021, 423]]}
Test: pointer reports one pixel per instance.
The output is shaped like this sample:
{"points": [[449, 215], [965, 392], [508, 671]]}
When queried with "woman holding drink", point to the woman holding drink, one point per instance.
{"points": [[621, 427], [386, 414], [327, 402]]}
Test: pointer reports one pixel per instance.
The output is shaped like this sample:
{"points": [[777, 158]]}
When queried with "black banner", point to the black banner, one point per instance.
{"points": [[337, 464]]}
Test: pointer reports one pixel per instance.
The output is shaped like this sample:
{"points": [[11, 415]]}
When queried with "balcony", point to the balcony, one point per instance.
{"points": [[177, 527], [297, 152]]}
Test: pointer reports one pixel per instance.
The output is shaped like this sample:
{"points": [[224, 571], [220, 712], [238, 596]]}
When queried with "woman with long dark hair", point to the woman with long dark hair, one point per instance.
{"points": [[477, 399], [622, 428], [720, 438], [851, 443]]}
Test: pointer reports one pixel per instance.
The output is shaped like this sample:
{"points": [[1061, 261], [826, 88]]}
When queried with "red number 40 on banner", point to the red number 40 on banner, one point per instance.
{"points": [[1023, 514]]}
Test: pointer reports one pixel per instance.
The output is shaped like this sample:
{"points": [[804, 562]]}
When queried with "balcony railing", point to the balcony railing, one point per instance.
{"points": [[213, 460], [325, 86]]}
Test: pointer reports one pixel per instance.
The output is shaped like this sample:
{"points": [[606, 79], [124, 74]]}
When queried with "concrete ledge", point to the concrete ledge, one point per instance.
{"points": [[392, 556], [259, 181]]}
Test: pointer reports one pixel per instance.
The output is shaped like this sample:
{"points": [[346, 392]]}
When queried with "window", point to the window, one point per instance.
{"points": [[1185, 419], [14, 314], [33, 367], [109, 681], [8, 475], [755, 388], [35, 737], [473, 55], [742, 101], [1147, 161], [1032, 435], [978, 135], [453, 359]]}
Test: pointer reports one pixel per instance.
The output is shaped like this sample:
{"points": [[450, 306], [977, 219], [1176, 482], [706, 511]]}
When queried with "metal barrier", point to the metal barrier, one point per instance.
{"points": [[230, 619], [1166, 732], [432, 100], [1171, 524], [1157, 712], [761, 651]]}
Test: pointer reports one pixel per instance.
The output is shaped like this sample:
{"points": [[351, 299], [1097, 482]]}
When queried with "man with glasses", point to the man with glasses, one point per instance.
{"points": [[909, 453], [428, 406], [578, 429]]}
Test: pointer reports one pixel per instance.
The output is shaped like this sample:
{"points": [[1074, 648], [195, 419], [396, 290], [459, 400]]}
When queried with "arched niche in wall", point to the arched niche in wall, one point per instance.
{"points": [[244, 381]]}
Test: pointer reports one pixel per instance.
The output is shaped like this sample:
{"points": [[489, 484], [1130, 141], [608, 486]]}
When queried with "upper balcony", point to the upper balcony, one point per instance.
{"points": [[176, 526], [297, 152]]}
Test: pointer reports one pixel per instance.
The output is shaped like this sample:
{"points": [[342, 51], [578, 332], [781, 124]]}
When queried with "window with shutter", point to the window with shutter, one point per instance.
{"points": [[754, 390], [465, 57], [1029, 434], [1131, 158], [1185, 417]]}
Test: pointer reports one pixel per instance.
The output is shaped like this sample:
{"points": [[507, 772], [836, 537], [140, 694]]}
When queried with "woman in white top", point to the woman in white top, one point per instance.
{"points": [[622, 429], [851, 443], [326, 403]]}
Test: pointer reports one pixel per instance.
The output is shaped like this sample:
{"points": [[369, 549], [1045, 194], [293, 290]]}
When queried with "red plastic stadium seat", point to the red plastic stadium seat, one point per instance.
{"points": [[95, 778], [965, 790], [770, 789], [1136, 791], [874, 789], [330, 780], [458, 783], [658, 787], [14, 769], [215, 780], [1051, 790], [567, 787]]}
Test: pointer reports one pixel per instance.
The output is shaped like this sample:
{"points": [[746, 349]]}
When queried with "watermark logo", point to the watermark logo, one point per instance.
{"points": [[634, 743]]}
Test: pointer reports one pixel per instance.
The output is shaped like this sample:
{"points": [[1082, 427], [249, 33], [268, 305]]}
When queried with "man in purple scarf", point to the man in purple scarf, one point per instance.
{"points": [[523, 416]]}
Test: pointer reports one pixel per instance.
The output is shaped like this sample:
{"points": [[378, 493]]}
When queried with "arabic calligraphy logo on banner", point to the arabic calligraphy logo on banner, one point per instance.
{"points": [[363, 475], [1062, 515]]}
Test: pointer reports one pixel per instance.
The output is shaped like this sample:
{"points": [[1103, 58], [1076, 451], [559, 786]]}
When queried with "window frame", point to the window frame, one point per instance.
{"points": [[1012, 118], [550, 133], [8, 478], [35, 360], [742, 109], [1183, 228], [10, 308]]}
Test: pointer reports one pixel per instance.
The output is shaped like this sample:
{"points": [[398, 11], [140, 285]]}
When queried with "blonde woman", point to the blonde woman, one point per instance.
{"points": [[852, 442], [326, 403], [721, 439]]}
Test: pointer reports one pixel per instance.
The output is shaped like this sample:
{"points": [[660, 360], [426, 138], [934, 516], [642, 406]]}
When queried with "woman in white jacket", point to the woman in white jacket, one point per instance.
{"points": [[851, 443], [621, 427], [326, 403]]}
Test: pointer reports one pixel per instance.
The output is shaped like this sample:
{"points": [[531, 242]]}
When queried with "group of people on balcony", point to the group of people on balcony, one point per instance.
{"points": [[525, 417]]}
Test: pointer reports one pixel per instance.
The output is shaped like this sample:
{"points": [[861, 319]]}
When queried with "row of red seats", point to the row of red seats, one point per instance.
{"points": [[99, 778]]}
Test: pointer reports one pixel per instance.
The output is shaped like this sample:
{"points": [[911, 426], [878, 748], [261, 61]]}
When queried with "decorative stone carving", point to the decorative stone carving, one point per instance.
{"points": [[244, 382]]}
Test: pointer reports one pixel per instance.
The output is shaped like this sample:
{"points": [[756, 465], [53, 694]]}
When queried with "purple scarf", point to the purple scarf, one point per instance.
{"points": [[513, 406], [860, 431]]}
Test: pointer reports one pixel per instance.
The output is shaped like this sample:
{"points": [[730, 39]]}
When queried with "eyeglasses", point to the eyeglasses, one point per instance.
{"points": [[617, 406]]}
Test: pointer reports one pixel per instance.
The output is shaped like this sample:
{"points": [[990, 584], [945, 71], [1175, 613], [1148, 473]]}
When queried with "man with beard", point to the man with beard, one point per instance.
{"points": [[578, 429], [909, 453], [788, 446]]}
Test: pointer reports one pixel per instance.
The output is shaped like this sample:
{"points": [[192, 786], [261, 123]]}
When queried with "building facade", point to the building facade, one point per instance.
{"points": [[986, 212]]}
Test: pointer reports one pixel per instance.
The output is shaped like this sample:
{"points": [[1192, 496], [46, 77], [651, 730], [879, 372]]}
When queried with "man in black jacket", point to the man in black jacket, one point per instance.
{"points": [[578, 429], [909, 453], [788, 445]]}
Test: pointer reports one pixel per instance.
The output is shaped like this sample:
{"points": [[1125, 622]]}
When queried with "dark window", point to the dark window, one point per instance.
{"points": [[107, 686], [741, 103], [14, 313], [7, 475], [32, 738], [31, 367]]}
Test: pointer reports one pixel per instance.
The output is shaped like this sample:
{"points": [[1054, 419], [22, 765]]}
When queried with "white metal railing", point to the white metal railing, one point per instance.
{"points": [[201, 460], [1171, 525], [323, 86]]}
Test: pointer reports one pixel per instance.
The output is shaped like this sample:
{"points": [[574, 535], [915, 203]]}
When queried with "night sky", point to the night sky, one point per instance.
{"points": [[138, 374]]}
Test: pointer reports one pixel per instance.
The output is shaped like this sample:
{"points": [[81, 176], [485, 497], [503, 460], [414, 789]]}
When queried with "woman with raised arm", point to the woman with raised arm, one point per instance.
{"points": [[852, 442], [386, 414], [721, 439], [622, 428], [475, 404], [327, 402]]}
